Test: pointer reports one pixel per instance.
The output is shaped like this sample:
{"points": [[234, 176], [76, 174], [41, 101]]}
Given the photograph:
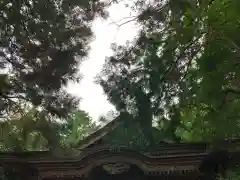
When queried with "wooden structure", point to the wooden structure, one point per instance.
{"points": [[99, 161]]}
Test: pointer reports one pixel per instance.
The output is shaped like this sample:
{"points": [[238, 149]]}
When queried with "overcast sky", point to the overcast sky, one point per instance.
{"points": [[93, 99]]}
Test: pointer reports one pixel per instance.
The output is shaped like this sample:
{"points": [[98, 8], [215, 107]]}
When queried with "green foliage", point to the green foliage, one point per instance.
{"points": [[35, 131], [231, 175], [214, 105], [76, 128], [127, 134], [22, 132], [131, 135], [182, 69], [41, 46]]}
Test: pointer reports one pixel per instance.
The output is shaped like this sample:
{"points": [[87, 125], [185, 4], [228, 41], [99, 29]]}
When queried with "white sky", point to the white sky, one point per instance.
{"points": [[93, 99]]}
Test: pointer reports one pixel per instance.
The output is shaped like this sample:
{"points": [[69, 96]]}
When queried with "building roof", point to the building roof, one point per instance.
{"points": [[97, 135], [123, 117], [165, 159]]}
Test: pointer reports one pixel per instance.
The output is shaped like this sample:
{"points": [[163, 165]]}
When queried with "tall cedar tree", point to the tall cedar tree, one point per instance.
{"points": [[42, 43], [185, 59]]}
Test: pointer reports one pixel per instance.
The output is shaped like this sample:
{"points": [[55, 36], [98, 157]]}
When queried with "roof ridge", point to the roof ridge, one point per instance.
{"points": [[113, 124]]}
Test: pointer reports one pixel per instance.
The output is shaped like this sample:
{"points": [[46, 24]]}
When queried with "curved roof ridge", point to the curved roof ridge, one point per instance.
{"points": [[92, 138]]}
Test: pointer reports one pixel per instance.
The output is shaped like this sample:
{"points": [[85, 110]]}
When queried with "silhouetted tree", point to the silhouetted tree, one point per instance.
{"points": [[41, 46]]}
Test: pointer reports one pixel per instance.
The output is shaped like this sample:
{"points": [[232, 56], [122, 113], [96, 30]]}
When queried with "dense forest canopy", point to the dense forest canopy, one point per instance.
{"points": [[181, 72], [41, 46], [32, 132]]}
